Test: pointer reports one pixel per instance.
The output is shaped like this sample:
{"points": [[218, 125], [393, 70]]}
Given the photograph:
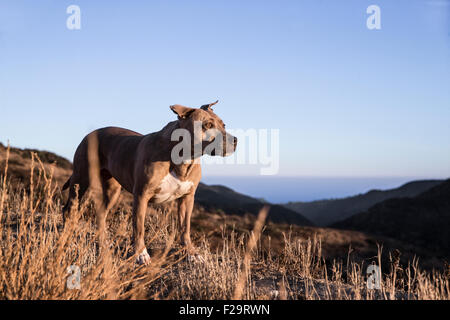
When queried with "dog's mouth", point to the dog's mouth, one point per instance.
{"points": [[223, 148], [229, 151]]}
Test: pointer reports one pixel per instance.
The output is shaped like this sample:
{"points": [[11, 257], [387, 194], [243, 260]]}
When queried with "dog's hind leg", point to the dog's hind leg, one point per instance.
{"points": [[77, 188], [111, 192], [80, 177]]}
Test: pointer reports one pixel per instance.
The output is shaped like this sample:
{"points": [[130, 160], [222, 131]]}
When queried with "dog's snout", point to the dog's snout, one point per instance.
{"points": [[231, 140]]}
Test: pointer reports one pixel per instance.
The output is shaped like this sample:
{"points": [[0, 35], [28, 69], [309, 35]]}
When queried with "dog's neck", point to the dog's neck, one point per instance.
{"points": [[184, 169]]}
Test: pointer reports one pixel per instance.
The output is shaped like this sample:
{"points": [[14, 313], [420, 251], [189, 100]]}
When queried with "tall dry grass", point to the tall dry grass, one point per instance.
{"points": [[37, 252]]}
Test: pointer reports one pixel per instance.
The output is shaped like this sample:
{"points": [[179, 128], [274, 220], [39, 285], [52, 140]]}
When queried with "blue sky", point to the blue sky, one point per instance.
{"points": [[349, 102]]}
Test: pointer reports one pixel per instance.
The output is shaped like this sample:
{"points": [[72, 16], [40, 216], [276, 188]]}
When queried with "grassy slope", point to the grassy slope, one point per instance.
{"points": [[218, 207], [285, 254]]}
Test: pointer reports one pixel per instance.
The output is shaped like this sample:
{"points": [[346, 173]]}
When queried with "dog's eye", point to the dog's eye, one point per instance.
{"points": [[208, 125]]}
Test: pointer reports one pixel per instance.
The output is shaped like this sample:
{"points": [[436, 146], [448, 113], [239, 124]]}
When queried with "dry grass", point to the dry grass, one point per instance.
{"points": [[36, 252]]}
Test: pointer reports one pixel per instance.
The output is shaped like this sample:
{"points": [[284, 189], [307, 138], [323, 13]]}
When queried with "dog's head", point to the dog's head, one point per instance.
{"points": [[206, 129]]}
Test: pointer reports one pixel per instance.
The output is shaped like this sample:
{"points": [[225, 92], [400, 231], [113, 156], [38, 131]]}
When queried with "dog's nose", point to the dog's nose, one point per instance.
{"points": [[235, 141]]}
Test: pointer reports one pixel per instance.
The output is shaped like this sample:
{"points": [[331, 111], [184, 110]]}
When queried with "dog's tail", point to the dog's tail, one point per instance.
{"points": [[67, 184]]}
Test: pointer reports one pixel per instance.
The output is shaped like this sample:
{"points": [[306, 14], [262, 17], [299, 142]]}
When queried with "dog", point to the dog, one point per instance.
{"points": [[150, 167]]}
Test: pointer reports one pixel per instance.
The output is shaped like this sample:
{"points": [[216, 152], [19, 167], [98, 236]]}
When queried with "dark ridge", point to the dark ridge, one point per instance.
{"points": [[422, 221], [327, 212], [221, 198]]}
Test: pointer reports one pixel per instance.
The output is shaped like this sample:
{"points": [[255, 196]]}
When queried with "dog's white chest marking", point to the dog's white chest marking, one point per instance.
{"points": [[172, 188]]}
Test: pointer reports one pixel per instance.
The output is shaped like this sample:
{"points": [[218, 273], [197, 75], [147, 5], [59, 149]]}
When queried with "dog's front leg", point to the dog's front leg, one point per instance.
{"points": [[181, 214], [185, 207], [140, 205]]}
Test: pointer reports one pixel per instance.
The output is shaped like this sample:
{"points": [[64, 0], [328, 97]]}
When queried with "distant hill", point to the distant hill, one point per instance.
{"points": [[217, 197], [327, 212], [422, 221]]}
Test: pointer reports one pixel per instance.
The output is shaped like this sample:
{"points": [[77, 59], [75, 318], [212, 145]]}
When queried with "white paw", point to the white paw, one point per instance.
{"points": [[195, 258], [274, 294], [143, 257]]}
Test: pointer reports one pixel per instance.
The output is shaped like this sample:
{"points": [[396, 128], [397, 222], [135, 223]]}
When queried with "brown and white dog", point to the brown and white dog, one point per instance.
{"points": [[148, 167]]}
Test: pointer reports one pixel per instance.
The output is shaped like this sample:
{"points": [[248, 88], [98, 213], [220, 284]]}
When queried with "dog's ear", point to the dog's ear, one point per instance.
{"points": [[182, 111], [207, 107]]}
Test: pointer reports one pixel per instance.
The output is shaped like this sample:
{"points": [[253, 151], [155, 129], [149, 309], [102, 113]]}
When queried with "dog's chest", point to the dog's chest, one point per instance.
{"points": [[172, 188]]}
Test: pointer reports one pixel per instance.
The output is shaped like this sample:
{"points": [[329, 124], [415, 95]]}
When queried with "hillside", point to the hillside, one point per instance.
{"points": [[422, 221], [327, 212], [19, 165], [221, 198], [220, 211]]}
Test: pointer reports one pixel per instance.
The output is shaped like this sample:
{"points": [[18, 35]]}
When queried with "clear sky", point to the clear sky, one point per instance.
{"points": [[348, 101]]}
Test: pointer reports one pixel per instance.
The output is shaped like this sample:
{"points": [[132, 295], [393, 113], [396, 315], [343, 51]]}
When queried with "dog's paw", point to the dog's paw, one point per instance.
{"points": [[143, 258]]}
